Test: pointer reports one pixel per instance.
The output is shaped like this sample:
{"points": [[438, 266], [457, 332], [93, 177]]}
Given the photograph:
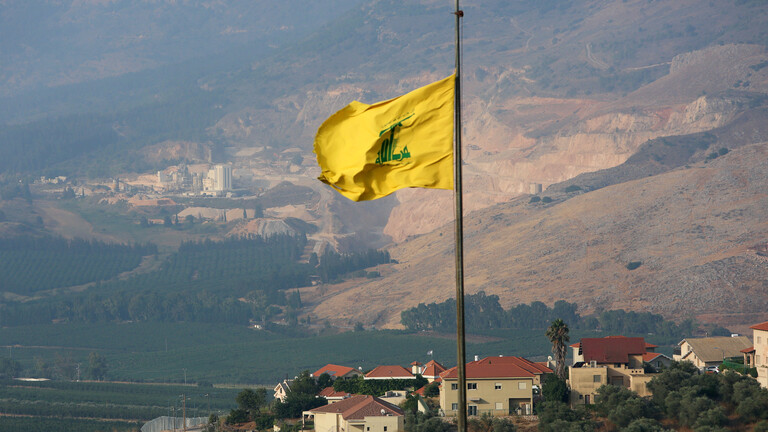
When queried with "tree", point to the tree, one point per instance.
{"points": [[304, 384], [554, 389], [97, 366], [558, 335], [488, 423], [420, 422], [213, 423], [296, 403], [324, 380], [237, 416], [68, 193], [252, 401], [432, 389], [9, 368]]}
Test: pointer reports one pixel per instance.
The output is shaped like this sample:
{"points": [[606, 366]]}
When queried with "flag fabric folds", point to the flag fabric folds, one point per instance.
{"points": [[369, 151]]}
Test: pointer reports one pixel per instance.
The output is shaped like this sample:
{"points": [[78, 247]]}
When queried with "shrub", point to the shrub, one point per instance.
{"points": [[753, 408], [432, 390], [419, 422], [534, 199], [644, 425], [712, 417], [237, 416], [630, 410], [634, 264], [692, 406], [554, 389], [572, 188], [264, 421], [761, 426], [711, 429], [622, 406], [546, 200], [558, 417], [488, 423]]}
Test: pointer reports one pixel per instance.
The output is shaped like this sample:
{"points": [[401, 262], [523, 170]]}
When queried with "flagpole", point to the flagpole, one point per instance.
{"points": [[459, 235]]}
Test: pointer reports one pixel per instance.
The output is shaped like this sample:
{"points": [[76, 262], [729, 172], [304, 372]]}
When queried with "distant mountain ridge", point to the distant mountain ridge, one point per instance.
{"points": [[60, 43], [597, 102]]}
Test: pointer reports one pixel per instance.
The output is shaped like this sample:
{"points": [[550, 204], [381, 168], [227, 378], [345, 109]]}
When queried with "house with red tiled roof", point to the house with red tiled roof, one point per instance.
{"points": [[336, 372], [498, 386], [358, 413], [332, 396], [760, 347], [537, 369], [612, 349], [616, 360], [432, 370], [389, 372]]}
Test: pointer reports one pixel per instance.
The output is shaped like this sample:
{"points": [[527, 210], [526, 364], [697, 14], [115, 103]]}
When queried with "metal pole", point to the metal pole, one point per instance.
{"points": [[184, 416], [459, 234]]}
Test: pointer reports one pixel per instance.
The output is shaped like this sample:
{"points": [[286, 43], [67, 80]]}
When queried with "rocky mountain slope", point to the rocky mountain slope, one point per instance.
{"points": [[551, 90], [615, 108], [694, 231]]}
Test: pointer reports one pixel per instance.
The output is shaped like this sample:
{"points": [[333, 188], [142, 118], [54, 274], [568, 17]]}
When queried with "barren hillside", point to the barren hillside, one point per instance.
{"points": [[694, 231]]}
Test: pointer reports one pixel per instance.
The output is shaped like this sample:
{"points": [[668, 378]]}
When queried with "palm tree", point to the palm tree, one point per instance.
{"points": [[558, 335]]}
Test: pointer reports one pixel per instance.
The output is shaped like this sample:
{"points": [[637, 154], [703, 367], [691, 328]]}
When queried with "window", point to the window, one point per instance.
{"points": [[454, 386], [757, 360], [455, 406], [586, 399], [472, 386], [499, 405], [758, 340], [472, 410], [596, 378], [522, 385], [497, 386], [385, 429], [367, 428]]}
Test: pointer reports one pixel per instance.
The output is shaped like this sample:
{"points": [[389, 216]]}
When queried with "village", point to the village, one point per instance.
{"points": [[505, 388]]}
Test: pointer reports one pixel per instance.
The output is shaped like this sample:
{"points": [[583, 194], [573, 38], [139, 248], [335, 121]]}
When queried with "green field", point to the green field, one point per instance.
{"points": [[219, 353], [98, 406], [23, 424]]}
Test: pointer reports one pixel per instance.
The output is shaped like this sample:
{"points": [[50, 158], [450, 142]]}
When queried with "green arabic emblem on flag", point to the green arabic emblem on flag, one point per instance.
{"points": [[387, 152]]}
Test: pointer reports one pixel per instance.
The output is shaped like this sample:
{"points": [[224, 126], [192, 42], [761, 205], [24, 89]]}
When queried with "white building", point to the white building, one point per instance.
{"points": [[219, 178], [223, 177]]}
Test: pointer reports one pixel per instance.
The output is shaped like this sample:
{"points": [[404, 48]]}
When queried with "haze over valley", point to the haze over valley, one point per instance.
{"points": [[158, 183]]}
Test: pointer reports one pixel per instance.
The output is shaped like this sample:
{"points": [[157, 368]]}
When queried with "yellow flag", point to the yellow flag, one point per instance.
{"points": [[369, 151]]}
